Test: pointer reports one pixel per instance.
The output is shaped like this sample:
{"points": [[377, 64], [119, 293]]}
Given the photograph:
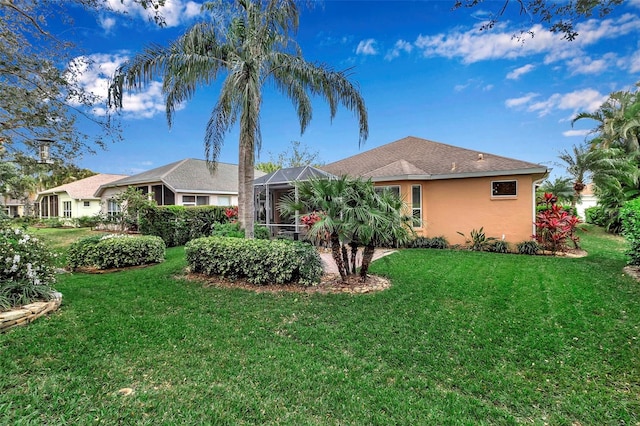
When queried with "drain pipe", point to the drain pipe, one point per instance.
{"points": [[536, 183]]}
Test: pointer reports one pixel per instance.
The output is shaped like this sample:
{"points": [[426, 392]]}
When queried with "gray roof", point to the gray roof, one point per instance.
{"points": [[84, 189], [188, 175], [416, 158], [290, 175]]}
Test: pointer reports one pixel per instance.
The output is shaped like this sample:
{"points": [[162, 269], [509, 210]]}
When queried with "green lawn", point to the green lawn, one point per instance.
{"points": [[460, 338]]}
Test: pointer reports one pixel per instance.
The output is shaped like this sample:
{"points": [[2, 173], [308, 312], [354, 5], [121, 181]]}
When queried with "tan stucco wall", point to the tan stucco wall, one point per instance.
{"points": [[462, 205]]}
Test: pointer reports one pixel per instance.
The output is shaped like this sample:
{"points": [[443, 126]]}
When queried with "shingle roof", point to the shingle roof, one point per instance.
{"points": [[188, 175], [413, 157], [84, 189]]}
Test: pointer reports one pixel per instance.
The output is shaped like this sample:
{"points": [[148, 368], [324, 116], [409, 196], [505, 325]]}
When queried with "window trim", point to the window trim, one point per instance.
{"points": [[493, 195], [66, 209], [195, 200], [113, 208]]}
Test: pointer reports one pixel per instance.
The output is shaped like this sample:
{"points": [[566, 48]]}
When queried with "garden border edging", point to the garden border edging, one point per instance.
{"points": [[28, 313]]}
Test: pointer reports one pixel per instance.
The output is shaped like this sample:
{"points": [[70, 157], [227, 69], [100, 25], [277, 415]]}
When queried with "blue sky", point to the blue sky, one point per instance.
{"points": [[423, 69]]}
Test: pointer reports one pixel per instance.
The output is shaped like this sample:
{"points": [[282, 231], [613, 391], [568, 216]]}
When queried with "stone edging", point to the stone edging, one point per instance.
{"points": [[28, 313]]}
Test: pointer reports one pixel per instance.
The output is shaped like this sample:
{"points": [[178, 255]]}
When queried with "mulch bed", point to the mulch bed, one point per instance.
{"points": [[329, 284]]}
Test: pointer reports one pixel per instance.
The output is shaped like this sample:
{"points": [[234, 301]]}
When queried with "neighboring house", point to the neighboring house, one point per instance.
{"points": [[75, 199], [14, 207], [449, 189], [187, 182], [587, 199]]}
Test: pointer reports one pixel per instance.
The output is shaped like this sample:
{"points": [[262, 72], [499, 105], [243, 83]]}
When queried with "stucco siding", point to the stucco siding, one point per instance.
{"points": [[461, 205]]}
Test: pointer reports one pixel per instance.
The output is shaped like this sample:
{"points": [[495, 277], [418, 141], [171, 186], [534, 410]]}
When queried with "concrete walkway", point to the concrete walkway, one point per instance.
{"points": [[330, 267]]}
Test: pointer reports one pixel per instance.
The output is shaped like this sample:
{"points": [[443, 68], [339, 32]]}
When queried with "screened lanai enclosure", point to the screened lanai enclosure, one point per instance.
{"points": [[269, 190]]}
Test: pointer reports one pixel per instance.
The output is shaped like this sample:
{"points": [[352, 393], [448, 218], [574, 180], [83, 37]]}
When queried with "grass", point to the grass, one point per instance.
{"points": [[58, 239], [460, 338]]}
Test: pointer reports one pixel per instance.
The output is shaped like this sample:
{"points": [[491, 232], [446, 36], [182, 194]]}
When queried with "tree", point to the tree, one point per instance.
{"points": [[40, 93], [327, 198], [253, 47], [296, 156], [350, 212], [561, 16], [561, 187]]}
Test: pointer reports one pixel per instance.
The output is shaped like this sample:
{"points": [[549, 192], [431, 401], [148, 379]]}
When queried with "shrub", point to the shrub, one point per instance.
{"points": [[88, 221], [27, 271], [477, 240], [115, 251], [530, 247], [429, 242], [261, 232], [595, 215], [258, 261], [630, 216], [554, 226], [499, 246], [178, 224], [227, 230], [52, 222]]}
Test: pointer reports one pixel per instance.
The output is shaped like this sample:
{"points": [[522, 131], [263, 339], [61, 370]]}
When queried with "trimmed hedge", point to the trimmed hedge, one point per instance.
{"points": [[630, 217], [258, 261], [177, 225], [115, 251], [429, 242]]}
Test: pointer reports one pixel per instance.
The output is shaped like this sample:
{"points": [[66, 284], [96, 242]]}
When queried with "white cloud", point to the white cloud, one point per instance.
{"points": [[398, 48], [473, 45], [587, 65], [523, 100], [93, 73], [572, 133], [367, 47], [585, 100], [107, 23], [515, 74], [633, 61], [174, 12]]}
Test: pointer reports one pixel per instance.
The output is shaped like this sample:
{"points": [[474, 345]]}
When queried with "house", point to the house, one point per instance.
{"points": [[75, 199], [587, 199], [13, 207], [187, 182], [449, 189]]}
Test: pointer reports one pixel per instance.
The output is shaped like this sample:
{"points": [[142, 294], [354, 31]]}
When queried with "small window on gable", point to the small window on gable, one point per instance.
{"points": [[504, 188], [86, 203]]}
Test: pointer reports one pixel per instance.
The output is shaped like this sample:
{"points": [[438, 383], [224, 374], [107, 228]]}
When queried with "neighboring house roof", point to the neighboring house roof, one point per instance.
{"points": [[188, 175], [290, 175], [83, 189], [416, 158]]}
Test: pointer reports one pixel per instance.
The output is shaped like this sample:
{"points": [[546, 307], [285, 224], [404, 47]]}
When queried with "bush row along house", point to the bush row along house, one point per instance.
{"points": [[447, 189]]}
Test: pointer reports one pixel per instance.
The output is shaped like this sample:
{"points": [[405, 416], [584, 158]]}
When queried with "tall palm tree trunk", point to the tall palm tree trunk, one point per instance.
{"points": [[245, 189]]}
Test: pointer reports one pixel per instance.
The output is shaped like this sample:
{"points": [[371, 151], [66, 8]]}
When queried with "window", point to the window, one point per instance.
{"points": [[416, 205], [395, 189], [195, 200], [87, 203], [224, 200], [66, 208], [113, 208], [504, 188]]}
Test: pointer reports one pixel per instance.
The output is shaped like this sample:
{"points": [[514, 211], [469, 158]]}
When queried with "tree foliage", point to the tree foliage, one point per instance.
{"points": [[246, 44], [561, 16], [298, 155]]}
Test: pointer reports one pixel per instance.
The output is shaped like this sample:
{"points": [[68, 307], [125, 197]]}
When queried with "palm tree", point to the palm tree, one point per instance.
{"points": [[383, 223], [352, 213], [252, 48], [328, 198], [561, 187]]}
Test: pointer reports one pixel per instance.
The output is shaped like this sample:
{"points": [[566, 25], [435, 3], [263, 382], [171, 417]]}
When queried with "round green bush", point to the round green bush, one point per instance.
{"points": [[258, 261], [115, 251]]}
